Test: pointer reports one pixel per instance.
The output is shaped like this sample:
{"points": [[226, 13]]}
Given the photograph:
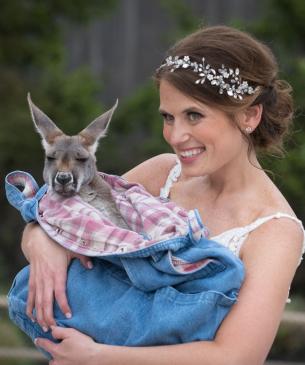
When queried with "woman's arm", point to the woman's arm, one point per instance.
{"points": [[48, 272], [49, 261], [271, 256]]}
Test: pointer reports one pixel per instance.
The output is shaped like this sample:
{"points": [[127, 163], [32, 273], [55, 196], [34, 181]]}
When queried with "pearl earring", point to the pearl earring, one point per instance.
{"points": [[248, 130]]}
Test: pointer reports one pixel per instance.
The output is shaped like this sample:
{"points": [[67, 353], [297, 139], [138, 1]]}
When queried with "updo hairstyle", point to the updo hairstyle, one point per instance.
{"points": [[222, 45]]}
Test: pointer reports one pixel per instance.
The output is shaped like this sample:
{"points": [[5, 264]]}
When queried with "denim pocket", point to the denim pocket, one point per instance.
{"points": [[175, 296], [210, 297], [184, 317]]}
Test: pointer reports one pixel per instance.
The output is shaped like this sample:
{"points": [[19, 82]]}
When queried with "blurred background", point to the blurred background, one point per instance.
{"points": [[76, 57]]}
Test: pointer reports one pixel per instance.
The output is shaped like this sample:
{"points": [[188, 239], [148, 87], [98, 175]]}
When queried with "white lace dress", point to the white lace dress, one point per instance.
{"points": [[235, 237]]}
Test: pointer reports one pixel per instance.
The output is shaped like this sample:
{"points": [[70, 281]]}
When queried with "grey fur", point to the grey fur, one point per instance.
{"points": [[70, 163]]}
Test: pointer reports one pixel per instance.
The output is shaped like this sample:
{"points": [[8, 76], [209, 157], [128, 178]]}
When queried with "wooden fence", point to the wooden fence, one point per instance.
{"points": [[289, 317]]}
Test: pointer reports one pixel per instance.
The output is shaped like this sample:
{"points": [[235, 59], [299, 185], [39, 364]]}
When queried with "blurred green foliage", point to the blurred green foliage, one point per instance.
{"points": [[136, 130], [10, 337], [33, 58], [283, 28]]}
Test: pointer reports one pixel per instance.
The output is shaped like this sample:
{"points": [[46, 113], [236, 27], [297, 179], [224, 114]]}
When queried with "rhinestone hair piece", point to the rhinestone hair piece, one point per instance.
{"points": [[227, 79]]}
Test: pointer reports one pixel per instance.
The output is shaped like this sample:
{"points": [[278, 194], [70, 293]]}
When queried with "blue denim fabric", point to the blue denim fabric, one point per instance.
{"points": [[139, 298], [141, 301], [27, 206]]}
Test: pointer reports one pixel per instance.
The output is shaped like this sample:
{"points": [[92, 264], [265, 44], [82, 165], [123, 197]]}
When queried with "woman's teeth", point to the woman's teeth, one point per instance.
{"points": [[192, 153]]}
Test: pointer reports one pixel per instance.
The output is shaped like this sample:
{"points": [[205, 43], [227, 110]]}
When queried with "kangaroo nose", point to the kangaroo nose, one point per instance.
{"points": [[63, 178]]}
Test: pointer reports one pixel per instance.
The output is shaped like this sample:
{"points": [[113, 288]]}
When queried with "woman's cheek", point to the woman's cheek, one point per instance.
{"points": [[166, 133]]}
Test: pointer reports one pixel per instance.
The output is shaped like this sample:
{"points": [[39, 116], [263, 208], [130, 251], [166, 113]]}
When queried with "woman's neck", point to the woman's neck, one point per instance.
{"points": [[237, 176]]}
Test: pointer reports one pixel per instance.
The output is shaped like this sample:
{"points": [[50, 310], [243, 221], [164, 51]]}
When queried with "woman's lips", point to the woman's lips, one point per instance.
{"points": [[191, 154]]}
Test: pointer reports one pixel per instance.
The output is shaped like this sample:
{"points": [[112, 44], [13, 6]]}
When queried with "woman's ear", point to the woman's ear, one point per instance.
{"points": [[252, 118]]}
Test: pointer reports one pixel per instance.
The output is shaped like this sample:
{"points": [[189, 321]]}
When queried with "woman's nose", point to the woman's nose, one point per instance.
{"points": [[179, 134]]}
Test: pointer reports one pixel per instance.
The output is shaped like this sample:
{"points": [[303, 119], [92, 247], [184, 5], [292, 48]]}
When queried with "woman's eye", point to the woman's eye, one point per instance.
{"points": [[167, 118], [194, 116]]}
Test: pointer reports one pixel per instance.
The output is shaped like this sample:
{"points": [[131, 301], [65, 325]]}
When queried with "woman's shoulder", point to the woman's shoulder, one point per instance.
{"points": [[275, 223], [152, 173], [277, 228], [277, 245]]}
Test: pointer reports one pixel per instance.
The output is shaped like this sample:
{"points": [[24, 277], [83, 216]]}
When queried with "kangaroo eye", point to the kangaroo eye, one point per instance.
{"points": [[50, 158], [82, 159]]}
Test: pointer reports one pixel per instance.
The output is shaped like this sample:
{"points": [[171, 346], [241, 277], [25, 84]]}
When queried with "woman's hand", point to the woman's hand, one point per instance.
{"points": [[75, 348], [48, 274]]}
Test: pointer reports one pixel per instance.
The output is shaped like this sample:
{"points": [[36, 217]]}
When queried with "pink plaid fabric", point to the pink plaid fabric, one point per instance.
{"points": [[81, 228], [24, 180]]}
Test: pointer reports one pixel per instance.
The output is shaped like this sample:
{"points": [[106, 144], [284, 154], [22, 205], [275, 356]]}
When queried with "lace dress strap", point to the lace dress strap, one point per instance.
{"points": [[277, 215], [234, 238], [172, 177]]}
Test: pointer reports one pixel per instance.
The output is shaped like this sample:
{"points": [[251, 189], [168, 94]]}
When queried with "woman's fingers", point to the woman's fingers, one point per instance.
{"points": [[85, 260], [43, 286], [31, 295], [48, 274], [60, 333], [60, 294], [47, 305], [39, 311], [74, 347], [46, 345]]}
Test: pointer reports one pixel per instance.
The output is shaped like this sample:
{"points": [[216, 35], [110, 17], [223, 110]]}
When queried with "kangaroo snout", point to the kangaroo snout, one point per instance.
{"points": [[64, 183], [64, 178]]}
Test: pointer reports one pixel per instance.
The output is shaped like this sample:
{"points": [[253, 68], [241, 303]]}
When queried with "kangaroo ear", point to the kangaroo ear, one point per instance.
{"points": [[44, 125], [97, 129]]}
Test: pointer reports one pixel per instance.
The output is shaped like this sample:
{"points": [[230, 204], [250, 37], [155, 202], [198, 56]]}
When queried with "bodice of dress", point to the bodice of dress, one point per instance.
{"points": [[235, 237]]}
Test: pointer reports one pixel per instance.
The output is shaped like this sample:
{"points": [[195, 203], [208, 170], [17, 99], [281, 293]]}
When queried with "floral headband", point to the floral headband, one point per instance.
{"points": [[228, 80]]}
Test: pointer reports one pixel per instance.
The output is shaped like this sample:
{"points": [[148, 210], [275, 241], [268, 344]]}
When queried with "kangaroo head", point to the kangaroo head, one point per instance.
{"points": [[70, 160]]}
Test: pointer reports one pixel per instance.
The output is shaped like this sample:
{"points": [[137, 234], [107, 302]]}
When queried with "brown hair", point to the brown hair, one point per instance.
{"points": [[222, 45]]}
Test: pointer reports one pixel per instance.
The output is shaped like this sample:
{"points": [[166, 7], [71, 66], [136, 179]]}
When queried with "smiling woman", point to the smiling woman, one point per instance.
{"points": [[193, 129], [221, 102], [235, 71]]}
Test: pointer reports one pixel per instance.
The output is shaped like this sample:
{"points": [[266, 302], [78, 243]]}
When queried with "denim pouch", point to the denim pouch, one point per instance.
{"points": [[138, 302], [167, 291]]}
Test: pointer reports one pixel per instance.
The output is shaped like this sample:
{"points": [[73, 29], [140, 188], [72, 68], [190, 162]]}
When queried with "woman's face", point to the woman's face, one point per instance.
{"points": [[203, 137]]}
